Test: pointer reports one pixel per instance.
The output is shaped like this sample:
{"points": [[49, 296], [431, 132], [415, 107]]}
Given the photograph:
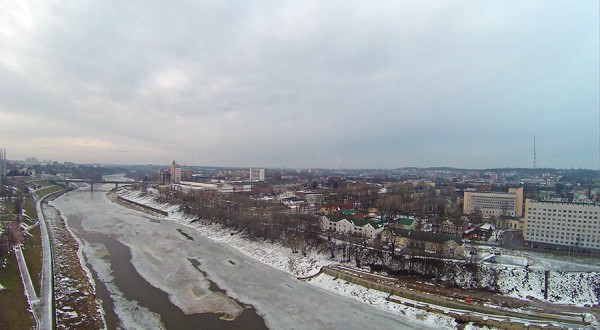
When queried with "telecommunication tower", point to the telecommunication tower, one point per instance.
{"points": [[534, 154]]}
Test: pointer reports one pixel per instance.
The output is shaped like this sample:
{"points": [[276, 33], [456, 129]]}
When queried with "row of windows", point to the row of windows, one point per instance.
{"points": [[510, 197], [586, 243], [561, 235], [563, 211], [543, 220], [562, 226], [561, 216]]}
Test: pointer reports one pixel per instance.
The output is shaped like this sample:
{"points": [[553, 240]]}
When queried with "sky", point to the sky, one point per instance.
{"points": [[302, 84]]}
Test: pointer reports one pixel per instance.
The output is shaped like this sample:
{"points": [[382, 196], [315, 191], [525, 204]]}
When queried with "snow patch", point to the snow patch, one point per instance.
{"points": [[378, 299]]}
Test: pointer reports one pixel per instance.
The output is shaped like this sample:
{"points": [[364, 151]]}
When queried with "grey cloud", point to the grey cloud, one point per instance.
{"points": [[313, 83]]}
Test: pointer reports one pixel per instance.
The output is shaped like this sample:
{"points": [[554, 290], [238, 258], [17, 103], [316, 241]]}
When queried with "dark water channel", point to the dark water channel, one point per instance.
{"points": [[135, 287]]}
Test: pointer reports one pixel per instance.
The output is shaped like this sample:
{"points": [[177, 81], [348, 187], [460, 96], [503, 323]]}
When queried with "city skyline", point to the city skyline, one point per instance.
{"points": [[303, 85]]}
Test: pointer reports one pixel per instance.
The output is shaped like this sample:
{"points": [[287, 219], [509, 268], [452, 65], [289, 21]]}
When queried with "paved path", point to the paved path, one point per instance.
{"points": [[28, 284], [46, 286]]}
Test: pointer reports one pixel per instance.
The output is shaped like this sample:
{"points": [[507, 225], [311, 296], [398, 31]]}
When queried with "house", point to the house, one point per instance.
{"points": [[452, 227], [334, 208], [361, 227], [421, 242], [508, 222], [403, 222]]}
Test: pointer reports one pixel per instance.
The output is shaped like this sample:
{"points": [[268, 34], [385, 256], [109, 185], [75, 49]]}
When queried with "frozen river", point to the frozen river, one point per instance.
{"points": [[154, 273]]}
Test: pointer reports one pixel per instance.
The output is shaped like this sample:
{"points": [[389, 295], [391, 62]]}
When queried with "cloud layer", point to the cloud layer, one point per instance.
{"points": [[301, 84]]}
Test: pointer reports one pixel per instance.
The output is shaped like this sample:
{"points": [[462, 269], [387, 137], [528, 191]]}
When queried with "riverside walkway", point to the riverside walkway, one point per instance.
{"points": [[42, 306], [32, 297], [46, 308]]}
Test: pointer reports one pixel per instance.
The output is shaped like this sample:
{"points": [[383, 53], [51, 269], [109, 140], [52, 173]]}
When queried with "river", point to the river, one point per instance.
{"points": [[154, 273]]}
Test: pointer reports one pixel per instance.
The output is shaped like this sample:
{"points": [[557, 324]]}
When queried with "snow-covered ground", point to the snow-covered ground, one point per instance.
{"points": [[272, 254], [1, 287], [378, 299], [281, 258], [513, 278]]}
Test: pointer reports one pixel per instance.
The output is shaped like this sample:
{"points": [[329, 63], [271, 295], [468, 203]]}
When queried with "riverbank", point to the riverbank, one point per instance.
{"points": [[281, 258], [272, 254], [74, 291]]}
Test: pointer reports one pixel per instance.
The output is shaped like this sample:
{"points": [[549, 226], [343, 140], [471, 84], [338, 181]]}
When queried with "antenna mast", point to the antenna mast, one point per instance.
{"points": [[534, 154]]}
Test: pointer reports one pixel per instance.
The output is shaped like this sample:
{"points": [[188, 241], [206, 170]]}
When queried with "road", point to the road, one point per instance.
{"points": [[46, 307], [42, 307]]}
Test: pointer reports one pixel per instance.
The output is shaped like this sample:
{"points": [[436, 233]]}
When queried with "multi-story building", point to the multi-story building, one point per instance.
{"points": [[175, 173], [562, 223], [495, 203], [360, 227], [164, 176], [257, 174]]}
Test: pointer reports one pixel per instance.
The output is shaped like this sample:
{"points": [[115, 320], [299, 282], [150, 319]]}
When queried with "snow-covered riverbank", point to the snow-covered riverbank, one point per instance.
{"points": [[282, 258], [168, 268], [274, 255]]}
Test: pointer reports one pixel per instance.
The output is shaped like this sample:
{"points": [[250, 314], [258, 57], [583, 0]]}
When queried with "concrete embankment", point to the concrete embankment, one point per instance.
{"points": [[153, 209], [462, 308]]}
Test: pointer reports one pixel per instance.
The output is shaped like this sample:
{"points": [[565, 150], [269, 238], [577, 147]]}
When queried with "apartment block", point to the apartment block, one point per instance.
{"points": [[257, 174], [563, 223], [175, 173]]}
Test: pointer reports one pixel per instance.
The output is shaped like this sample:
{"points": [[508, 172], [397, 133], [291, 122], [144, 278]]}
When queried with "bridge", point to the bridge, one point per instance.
{"points": [[91, 182]]}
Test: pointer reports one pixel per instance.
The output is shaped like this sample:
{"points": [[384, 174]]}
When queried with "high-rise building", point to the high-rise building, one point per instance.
{"points": [[495, 203], [257, 174], [175, 173], [2, 168], [562, 223], [164, 176]]}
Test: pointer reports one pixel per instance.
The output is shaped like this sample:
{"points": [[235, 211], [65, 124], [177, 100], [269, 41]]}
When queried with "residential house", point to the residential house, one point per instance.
{"points": [[420, 242], [403, 222], [361, 227]]}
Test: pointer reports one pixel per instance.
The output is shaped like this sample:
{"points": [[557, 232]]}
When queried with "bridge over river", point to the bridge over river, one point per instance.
{"points": [[91, 182]]}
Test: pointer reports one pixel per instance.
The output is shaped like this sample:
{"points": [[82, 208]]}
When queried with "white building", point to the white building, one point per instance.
{"points": [[563, 223], [257, 174], [361, 227], [175, 173], [495, 203]]}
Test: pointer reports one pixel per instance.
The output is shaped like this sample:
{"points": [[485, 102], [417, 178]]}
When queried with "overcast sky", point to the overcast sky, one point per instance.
{"points": [[337, 84]]}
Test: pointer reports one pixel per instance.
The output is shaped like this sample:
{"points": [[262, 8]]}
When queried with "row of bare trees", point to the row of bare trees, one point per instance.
{"points": [[256, 219], [398, 199]]}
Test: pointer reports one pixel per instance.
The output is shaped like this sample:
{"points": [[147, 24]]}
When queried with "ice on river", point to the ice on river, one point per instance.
{"points": [[170, 271], [161, 254], [130, 313]]}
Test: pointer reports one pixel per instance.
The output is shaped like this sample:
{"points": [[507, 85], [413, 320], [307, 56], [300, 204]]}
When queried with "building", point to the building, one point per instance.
{"points": [[508, 222], [2, 168], [175, 173], [425, 243], [359, 227], [562, 223], [164, 176], [257, 174], [494, 203], [402, 222]]}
